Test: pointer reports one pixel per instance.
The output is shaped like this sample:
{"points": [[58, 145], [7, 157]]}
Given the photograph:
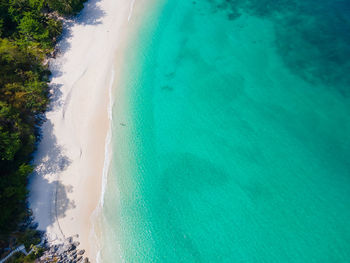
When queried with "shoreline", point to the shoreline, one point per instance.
{"points": [[66, 186], [136, 16]]}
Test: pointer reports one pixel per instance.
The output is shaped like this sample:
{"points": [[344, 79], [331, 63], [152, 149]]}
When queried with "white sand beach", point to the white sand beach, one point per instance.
{"points": [[65, 188]]}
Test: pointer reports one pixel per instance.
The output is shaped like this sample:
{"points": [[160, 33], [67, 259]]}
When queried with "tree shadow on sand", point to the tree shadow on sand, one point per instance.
{"points": [[48, 196], [91, 15], [55, 97]]}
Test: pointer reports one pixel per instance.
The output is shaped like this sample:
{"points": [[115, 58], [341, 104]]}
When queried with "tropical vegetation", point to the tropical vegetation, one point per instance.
{"points": [[29, 30]]}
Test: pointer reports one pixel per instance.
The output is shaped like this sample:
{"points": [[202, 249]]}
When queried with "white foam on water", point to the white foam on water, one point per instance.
{"points": [[131, 9], [107, 160]]}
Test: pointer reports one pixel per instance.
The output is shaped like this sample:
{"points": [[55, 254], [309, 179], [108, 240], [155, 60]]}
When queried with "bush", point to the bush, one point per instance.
{"points": [[28, 33], [66, 7]]}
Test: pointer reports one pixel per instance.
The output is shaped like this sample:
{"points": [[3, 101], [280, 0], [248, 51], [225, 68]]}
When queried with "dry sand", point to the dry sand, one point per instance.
{"points": [[65, 188]]}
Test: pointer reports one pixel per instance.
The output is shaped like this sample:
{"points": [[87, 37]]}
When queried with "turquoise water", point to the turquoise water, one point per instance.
{"points": [[231, 142]]}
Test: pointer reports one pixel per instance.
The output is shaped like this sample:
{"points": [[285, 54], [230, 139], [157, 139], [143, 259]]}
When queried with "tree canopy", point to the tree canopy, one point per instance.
{"points": [[28, 33]]}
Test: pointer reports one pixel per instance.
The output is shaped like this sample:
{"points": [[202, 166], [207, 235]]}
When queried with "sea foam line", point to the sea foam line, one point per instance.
{"points": [[106, 164], [107, 159], [131, 9]]}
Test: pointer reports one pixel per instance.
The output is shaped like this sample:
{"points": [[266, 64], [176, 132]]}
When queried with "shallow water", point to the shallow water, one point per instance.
{"points": [[232, 140]]}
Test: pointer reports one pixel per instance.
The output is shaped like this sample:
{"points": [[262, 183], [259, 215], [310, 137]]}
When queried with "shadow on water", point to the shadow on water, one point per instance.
{"points": [[312, 39]]}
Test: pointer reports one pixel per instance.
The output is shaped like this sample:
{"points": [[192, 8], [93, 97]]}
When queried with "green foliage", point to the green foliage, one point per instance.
{"points": [[28, 33], [21, 258], [1, 26], [9, 145], [54, 27], [66, 7], [30, 27], [29, 238]]}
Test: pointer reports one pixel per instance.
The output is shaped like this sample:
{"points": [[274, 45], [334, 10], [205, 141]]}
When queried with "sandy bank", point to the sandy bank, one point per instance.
{"points": [[66, 185]]}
